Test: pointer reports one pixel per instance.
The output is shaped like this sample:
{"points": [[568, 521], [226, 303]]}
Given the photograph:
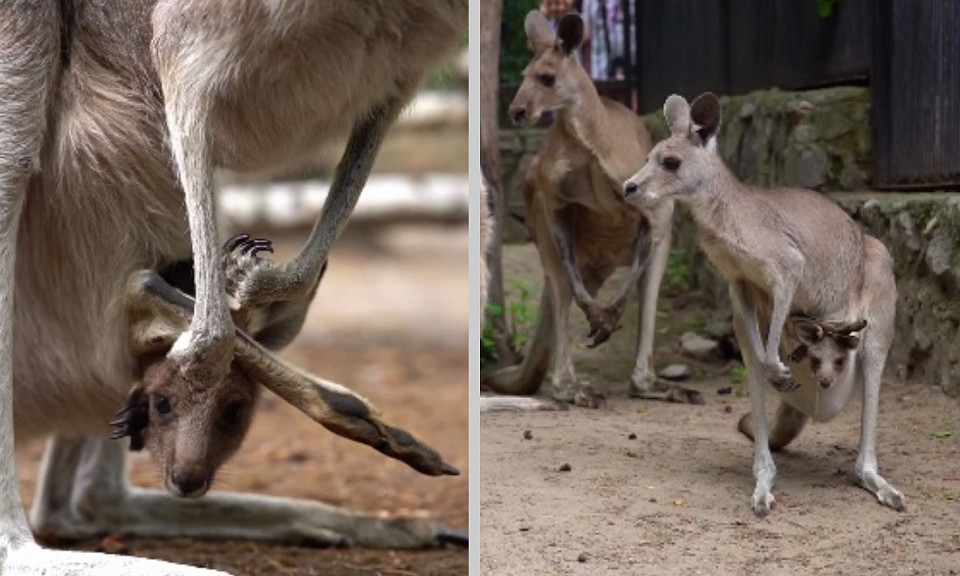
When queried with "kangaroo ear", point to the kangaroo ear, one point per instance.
{"points": [[569, 33], [798, 354], [705, 116], [132, 420], [848, 341], [539, 35], [677, 112], [808, 331]]}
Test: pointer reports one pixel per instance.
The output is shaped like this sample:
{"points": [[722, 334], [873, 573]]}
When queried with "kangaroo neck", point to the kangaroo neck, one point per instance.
{"points": [[586, 120], [714, 204]]}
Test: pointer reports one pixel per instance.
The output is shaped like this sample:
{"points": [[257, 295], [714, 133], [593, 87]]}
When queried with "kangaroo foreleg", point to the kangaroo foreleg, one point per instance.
{"points": [[257, 282]]}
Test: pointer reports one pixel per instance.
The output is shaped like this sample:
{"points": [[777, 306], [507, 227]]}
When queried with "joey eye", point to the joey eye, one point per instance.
{"points": [[671, 163], [838, 364], [162, 404], [547, 80], [233, 413], [815, 363]]}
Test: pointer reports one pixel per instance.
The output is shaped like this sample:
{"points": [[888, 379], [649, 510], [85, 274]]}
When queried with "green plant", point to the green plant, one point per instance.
{"points": [[489, 336], [677, 277], [739, 380], [521, 313], [514, 55]]}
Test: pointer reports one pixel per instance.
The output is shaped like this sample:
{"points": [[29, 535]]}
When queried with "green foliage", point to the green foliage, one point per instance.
{"points": [[489, 336], [740, 379], [521, 313], [826, 8], [678, 277], [514, 55]]}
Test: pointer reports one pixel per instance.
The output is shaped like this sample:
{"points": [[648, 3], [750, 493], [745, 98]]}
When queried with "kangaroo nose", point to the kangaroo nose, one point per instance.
{"points": [[519, 115], [825, 384], [188, 484], [629, 188]]}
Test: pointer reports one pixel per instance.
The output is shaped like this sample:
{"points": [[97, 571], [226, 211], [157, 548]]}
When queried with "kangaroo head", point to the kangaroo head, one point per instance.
{"points": [[830, 346], [189, 431], [681, 164], [554, 77]]}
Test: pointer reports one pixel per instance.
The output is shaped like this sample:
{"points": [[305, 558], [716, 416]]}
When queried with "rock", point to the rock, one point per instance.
{"points": [[582, 557], [527, 435], [696, 346], [676, 372], [565, 468]]}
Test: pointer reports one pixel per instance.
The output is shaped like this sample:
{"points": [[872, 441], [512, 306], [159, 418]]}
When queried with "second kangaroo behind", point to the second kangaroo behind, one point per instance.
{"points": [[578, 219], [782, 252]]}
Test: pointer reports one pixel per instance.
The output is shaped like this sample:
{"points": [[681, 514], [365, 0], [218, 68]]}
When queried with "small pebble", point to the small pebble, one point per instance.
{"points": [[632, 436], [527, 435], [565, 468], [728, 408], [582, 557], [524, 528], [725, 390]]}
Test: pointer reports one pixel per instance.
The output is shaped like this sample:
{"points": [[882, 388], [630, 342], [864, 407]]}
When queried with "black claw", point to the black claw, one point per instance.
{"points": [[252, 247], [231, 244], [450, 536], [449, 470]]}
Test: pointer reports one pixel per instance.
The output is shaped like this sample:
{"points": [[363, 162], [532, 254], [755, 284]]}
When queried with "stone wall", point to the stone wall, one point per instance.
{"points": [[820, 139]]}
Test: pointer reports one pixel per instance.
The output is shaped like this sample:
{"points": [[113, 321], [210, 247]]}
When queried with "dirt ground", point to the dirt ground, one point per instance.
{"points": [[674, 497], [390, 321]]}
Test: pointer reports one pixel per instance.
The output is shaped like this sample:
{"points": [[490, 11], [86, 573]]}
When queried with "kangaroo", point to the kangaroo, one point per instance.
{"points": [[113, 118], [781, 251], [579, 221]]}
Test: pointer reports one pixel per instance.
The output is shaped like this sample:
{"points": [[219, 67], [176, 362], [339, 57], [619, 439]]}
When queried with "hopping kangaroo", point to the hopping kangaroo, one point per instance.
{"points": [[113, 117], [578, 219], [784, 251]]}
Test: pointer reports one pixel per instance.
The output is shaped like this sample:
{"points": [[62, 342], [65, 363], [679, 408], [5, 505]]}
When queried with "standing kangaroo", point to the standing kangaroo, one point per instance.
{"points": [[578, 219], [784, 251], [113, 117]]}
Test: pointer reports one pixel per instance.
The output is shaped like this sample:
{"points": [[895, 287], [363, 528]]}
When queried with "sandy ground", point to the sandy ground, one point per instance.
{"points": [[674, 499], [390, 321]]}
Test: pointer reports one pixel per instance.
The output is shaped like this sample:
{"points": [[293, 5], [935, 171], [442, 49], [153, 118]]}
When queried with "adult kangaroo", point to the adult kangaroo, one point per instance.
{"points": [[582, 227], [787, 254]]}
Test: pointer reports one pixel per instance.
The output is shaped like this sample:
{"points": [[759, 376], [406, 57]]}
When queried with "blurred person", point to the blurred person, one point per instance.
{"points": [[604, 23], [554, 10]]}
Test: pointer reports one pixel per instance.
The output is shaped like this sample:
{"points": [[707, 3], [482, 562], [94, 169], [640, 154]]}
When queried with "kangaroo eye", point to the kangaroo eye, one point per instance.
{"points": [[547, 80], [815, 363], [671, 163], [162, 404], [838, 363], [233, 413]]}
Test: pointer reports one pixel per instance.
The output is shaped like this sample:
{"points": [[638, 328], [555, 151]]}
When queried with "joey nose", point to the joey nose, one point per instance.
{"points": [[187, 484], [519, 115], [825, 384], [630, 188]]}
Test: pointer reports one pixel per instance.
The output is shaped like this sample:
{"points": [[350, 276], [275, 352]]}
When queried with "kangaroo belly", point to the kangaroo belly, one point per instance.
{"points": [[106, 204]]}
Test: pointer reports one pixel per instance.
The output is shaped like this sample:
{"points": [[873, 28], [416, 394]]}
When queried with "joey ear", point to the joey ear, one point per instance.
{"points": [[569, 33], [132, 420], [677, 112], [808, 331], [848, 341], [539, 35], [705, 116], [798, 354]]}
